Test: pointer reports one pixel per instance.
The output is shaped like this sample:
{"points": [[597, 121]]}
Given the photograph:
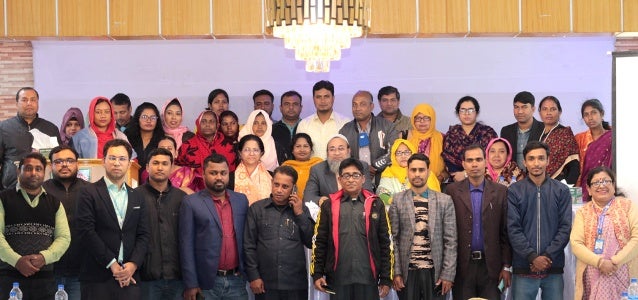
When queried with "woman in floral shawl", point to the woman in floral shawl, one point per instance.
{"points": [[206, 141], [500, 166], [563, 150]]}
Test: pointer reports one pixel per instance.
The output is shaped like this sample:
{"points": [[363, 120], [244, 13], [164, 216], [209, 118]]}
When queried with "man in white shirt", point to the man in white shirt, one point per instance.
{"points": [[325, 123]]}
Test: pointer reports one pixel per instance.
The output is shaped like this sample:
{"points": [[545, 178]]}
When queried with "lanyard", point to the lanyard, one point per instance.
{"points": [[601, 219]]}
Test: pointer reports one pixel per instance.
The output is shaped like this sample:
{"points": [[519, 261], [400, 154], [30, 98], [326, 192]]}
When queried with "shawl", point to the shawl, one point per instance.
{"points": [[456, 141], [255, 186], [102, 136], [176, 133], [618, 214], [510, 173], [73, 112], [599, 153], [562, 149], [182, 177], [303, 171], [269, 159], [434, 136]]}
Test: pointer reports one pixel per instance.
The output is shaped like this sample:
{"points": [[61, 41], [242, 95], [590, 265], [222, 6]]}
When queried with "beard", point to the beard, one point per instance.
{"points": [[215, 187], [333, 165]]}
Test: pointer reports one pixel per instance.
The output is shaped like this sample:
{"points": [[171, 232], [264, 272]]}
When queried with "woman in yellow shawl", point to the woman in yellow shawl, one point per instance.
{"points": [[394, 178], [427, 139], [302, 149]]}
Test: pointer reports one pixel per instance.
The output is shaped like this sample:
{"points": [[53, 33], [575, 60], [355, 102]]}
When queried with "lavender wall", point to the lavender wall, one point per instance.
{"points": [[438, 71]]}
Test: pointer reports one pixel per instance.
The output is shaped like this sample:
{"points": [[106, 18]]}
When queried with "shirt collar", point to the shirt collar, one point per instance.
{"points": [[347, 197], [479, 188], [226, 195], [424, 194], [111, 186]]}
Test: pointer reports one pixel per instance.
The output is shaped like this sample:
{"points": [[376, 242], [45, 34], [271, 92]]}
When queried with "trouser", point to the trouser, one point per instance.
{"points": [[271, 294], [474, 282], [526, 288], [419, 286], [109, 290], [355, 292]]}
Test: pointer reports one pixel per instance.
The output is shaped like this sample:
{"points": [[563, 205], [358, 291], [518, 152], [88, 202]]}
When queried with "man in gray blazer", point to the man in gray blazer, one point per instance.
{"points": [[323, 176], [424, 232]]}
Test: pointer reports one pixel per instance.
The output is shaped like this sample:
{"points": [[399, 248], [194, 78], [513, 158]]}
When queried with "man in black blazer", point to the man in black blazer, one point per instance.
{"points": [[526, 128], [484, 255], [113, 229]]}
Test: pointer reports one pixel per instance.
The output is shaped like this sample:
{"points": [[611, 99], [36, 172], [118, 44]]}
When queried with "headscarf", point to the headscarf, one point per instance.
{"points": [[193, 152], [178, 132], [74, 113], [401, 173], [436, 137], [490, 171], [102, 136], [269, 159]]}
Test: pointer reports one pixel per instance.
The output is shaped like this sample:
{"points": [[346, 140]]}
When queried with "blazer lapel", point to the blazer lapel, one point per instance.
{"points": [[464, 191], [488, 194], [432, 212], [103, 192], [131, 204], [331, 180], [208, 202]]}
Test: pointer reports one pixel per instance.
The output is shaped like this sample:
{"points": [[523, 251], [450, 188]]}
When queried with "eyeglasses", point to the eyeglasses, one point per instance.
{"points": [[337, 149], [601, 183], [251, 151], [403, 153], [68, 161], [347, 176], [113, 159], [148, 118], [422, 119], [467, 111]]}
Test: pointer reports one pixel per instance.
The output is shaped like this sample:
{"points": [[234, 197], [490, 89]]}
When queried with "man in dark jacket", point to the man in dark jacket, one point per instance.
{"points": [[16, 140], [161, 276], [277, 229], [352, 253], [539, 221], [526, 128], [65, 187]]}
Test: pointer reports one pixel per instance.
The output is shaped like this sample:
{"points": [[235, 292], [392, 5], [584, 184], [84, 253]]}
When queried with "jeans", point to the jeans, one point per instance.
{"points": [[231, 287], [524, 288], [162, 289], [71, 286]]}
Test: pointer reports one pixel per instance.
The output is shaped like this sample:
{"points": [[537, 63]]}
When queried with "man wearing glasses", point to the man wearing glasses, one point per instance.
{"points": [[352, 253], [65, 187], [113, 229], [539, 221]]}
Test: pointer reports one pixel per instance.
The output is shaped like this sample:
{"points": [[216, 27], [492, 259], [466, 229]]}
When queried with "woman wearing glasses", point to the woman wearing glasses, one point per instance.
{"points": [[251, 177], [145, 131], [394, 178], [429, 141], [604, 239], [259, 124], [89, 141], [462, 135]]}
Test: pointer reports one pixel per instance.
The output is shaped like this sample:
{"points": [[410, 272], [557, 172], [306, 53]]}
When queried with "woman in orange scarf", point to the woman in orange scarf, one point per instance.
{"points": [[302, 161], [427, 139]]}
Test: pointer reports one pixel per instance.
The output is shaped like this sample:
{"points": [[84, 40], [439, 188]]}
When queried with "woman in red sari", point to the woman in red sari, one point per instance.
{"points": [[595, 143], [563, 150]]}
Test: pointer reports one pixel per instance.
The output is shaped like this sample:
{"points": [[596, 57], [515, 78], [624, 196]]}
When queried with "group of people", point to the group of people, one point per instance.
{"points": [[384, 201]]}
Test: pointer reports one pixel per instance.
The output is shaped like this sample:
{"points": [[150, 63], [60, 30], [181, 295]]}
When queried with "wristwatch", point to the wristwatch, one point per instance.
{"points": [[508, 269]]}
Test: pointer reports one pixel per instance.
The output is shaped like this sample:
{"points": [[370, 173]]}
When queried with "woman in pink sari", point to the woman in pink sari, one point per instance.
{"points": [[595, 143], [604, 239]]}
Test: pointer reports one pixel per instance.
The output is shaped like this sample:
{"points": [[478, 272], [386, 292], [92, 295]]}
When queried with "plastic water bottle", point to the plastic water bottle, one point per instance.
{"points": [[12, 296], [624, 296], [61, 294], [632, 291], [17, 290]]}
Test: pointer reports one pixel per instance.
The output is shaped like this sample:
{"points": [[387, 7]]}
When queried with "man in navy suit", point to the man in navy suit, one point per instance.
{"points": [[113, 229], [211, 227]]}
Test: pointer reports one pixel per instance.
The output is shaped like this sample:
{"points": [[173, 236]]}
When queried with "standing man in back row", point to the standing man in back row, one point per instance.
{"points": [[526, 128], [325, 123], [390, 102]]}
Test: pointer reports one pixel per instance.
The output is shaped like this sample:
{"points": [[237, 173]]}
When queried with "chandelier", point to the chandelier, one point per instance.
{"points": [[317, 29]]}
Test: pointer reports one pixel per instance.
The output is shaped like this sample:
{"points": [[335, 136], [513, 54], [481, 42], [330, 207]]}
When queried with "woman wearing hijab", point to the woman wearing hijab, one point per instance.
{"points": [[500, 167], [206, 141], [229, 127], [259, 124], [72, 122], [427, 139], [172, 122], [90, 141], [394, 178]]}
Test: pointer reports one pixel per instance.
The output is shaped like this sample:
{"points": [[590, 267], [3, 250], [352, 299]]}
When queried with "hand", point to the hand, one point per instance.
{"points": [[319, 283], [37, 260], [384, 290], [125, 274], [540, 264], [398, 284], [191, 294], [257, 286], [373, 171], [607, 267], [506, 276], [296, 204], [322, 199], [458, 176], [446, 286], [25, 266]]}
